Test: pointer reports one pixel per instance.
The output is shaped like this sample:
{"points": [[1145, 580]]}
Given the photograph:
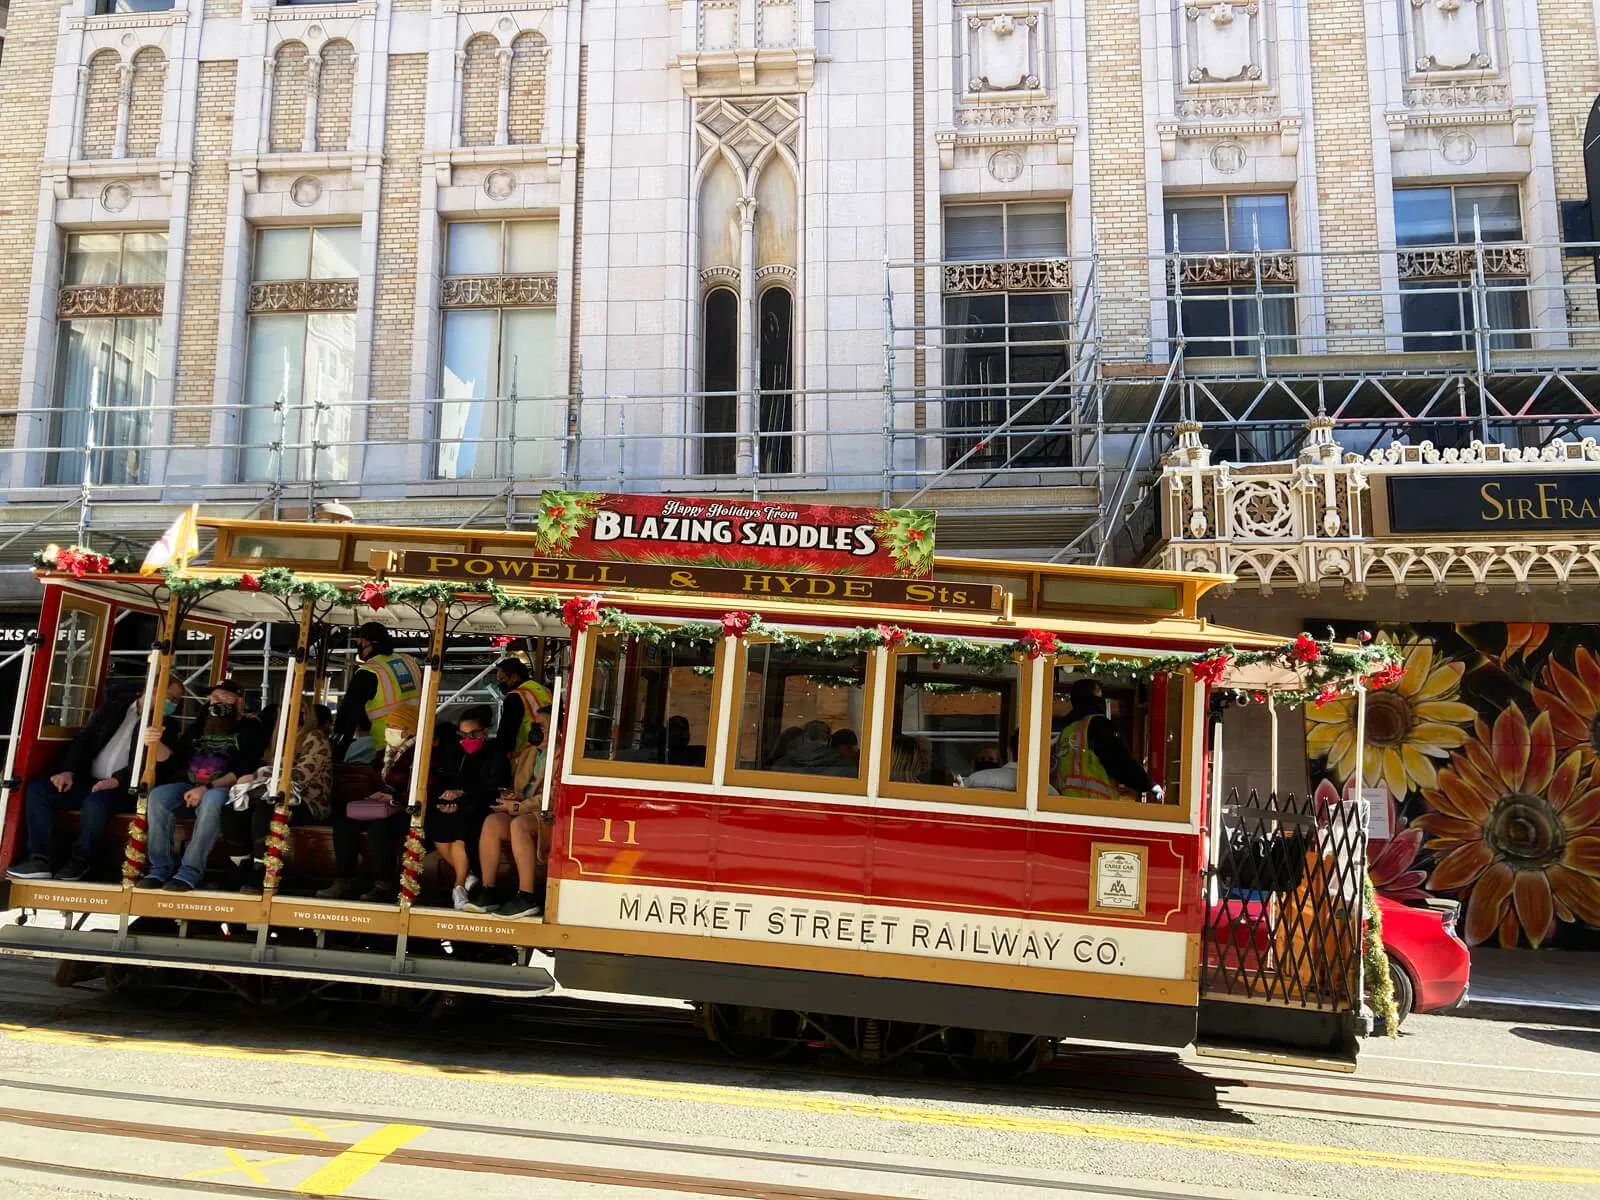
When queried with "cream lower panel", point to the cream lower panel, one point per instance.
{"points": [[888, 929]]}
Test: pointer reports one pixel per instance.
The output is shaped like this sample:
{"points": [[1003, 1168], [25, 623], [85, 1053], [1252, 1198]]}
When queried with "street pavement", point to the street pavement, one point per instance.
{"points": [[100, 1097]]}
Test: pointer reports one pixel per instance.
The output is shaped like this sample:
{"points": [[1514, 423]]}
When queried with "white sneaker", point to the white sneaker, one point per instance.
{"points": [[470, 882], [458, 898]]}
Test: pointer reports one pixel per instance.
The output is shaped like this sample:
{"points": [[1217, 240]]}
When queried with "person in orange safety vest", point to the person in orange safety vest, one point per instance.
{"points": [[1091, 761]]}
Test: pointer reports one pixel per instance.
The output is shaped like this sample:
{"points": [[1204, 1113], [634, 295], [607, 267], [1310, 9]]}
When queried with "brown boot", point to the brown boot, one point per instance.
{"points": [[339, 889]]}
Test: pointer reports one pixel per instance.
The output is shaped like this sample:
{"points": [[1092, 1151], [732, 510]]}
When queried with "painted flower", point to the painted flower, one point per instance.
{"points": [[1523, 639], [1393, 864], [1572, 698], [1408, 725], [1515, 832]]}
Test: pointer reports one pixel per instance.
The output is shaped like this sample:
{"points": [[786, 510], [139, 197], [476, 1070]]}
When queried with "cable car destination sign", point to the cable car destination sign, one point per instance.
{"points": [[726, 581]]}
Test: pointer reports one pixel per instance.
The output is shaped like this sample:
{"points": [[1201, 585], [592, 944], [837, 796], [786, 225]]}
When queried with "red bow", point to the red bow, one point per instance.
{"points": [[374, 594]]}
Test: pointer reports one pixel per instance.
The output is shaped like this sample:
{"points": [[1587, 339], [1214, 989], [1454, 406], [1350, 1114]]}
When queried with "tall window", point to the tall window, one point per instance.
{"points": [[107, 340], [499, 411], [719, 407], [1437, 229], [1223, 243], [300, 364], [1007, 310]]}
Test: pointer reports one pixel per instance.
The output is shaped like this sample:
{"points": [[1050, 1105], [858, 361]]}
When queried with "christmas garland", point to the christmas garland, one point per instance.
{"points": [[79, 561], [1375, 963], [136, 856], [411, 863], [1329, 669], [277, 847]]}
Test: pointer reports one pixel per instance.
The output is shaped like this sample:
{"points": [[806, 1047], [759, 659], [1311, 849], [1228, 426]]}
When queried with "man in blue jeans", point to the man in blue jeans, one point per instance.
{"points": [[227, 745], [94, 780]]}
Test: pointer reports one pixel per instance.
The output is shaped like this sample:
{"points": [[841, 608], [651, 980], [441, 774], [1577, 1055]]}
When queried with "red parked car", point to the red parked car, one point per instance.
{"points": [[1428, 962]]}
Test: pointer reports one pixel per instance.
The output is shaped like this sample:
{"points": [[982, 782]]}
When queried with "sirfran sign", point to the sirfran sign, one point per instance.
{"points": [[1521, 502], [648, 577], [730, 532]]}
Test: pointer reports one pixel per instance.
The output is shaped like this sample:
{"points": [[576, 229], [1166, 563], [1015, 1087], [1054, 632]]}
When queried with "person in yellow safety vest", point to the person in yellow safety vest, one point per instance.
{"points": [[385, 689], [521, 698], [1091, 761]]}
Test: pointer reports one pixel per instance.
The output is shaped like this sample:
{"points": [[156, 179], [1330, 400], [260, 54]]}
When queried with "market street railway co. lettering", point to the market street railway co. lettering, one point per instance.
{"points": [[757, 584]]}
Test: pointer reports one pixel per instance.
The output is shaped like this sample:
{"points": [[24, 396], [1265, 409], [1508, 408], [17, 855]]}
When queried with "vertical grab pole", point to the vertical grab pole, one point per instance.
{"points": [[1216, 803], [1272, 720], [417, 794], [135, 856], [280, 788], [9, 783]]}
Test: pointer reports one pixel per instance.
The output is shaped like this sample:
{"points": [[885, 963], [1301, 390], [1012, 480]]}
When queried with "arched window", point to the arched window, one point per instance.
{"points": [[335, 87], [719, 379], [144, 102], [286, 133], [99, 132], [775, 342]]}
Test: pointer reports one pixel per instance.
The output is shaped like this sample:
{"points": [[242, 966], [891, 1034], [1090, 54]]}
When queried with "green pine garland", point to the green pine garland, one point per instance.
{"points": [[1375, 963], [1329, 669]]}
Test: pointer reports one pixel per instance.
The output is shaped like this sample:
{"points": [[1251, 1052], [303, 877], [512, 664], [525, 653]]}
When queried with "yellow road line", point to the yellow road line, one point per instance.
{"points": [[897, 1113], [345, 1168]]}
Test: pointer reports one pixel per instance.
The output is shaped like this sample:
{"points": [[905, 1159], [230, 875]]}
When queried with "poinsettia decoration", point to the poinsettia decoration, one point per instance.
{"points": [[580, 612], [892, 635], [1387, 677], [1211, 669], [374, 594], [737, 624], [1305, 649], [1039, 643], [249, 583], [76, 561]]}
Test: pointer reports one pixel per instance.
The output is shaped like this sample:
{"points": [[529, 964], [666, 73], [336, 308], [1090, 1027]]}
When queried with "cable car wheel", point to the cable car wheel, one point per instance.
{"points": [[987, 1054], [754, 1034]]}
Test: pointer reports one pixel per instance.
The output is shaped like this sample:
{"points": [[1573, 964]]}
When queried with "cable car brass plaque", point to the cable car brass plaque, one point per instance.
{"points": [[755, 584]]}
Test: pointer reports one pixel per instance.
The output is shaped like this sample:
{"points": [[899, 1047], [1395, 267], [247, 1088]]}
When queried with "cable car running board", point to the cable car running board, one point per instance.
{"points": [[291, 962], [1279, 1058]]}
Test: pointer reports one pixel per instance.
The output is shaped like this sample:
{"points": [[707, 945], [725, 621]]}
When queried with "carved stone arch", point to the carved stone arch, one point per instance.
{"points": [[529, 57], [336, 84], [145, 102], [777, 192], [720, 189], [101, 100], [480, 89], [291, 84]]}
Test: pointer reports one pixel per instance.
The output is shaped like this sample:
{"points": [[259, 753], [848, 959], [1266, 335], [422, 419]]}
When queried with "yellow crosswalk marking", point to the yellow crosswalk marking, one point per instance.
{"points": [[333, 1178]]}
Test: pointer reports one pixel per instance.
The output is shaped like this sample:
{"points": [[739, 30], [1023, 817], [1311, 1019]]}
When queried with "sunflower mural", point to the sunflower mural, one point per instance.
{"points": [[1488, 752]]}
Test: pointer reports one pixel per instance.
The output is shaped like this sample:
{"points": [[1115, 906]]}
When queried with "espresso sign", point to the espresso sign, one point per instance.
{"points": [[1524, 503], [716, 581], [729, 532]]}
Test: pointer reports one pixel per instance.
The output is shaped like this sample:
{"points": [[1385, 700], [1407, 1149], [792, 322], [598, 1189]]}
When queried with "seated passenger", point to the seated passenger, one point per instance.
{"points": [[470, 781], [227, 745], [681, 752], [904, 760], [1091, 761], [95, 780], [1001, 779], [651, 747], [928, 772], [846, 748], [986, 758], [362, 750], [371, 804], [812, 755], [247, 821], [515, 818], [787, 741]]}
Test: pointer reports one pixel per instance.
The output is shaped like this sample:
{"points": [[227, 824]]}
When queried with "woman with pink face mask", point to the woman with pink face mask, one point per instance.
{"points": [[470, 777]]}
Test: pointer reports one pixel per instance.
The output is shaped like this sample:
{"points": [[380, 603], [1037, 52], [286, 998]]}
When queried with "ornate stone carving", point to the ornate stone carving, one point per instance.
{"points": [[1248, 107], [303, 295], [1004, 52], [498, 291], [1452, 35], [1456, 262], [1005, 166], [498, 185], [719, 24], [99, 300], [1043, 275], [1221, 270], [1007, 116], [1457, 147], [305, 191], [1229, 157], [1223, 42], [115, 197], [775, 23], [1458, 95]]}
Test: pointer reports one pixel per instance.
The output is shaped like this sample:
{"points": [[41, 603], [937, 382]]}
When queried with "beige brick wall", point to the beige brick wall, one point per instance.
{"points": [[528, 58], [1348, 216], [286, 133], [397, 246], [222, 8], [334, 90], [144, 107], [1571, 80], [202, 265], [1117, 171], [30, 53], [480, 91], [99, 133]]}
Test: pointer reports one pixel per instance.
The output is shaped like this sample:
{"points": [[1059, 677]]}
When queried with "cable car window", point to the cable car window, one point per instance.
{"points": [[956, 734], [74, 666], [1111, 744], [649, 707], [801, 714]]}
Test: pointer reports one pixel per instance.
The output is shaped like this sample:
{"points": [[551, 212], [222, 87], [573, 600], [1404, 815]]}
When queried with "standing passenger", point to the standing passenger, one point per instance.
{"points": [[385, 688], [1091, 761]]}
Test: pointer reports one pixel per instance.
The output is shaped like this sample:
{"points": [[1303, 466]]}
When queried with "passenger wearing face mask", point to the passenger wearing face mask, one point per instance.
{"points": [[95, 780], [470, 781], [384, 689], [227, 745], [521, 698], [1091, 761]]}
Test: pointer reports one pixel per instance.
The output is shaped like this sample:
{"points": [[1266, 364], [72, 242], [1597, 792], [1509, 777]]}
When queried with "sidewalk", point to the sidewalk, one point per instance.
{"points": [[1533, 979]]}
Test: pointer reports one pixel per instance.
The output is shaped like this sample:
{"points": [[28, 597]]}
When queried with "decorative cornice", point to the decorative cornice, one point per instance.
{"points": [[747, 72], [1285, 127], [1037, 275], [1064, 137], [496, 6], [1220, 270], [303, 295], [774, 271], [718, 275], [320, 14], [103, 300], [1520, 117], [134, 20], [498, 291]]}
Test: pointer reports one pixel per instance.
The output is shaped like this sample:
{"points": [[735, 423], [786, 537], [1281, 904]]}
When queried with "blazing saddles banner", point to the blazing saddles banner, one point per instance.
{"points": [[817, 539]]}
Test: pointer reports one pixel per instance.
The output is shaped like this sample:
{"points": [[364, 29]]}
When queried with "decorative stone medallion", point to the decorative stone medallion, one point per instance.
{"points": [[1457, 147], [305, 191], [1228, 158], [497, 185], [1005, 166], [115, 197]]}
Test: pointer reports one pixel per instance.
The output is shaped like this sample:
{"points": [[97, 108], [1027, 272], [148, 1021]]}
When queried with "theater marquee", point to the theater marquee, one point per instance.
{"points": [[1489, 503]]}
